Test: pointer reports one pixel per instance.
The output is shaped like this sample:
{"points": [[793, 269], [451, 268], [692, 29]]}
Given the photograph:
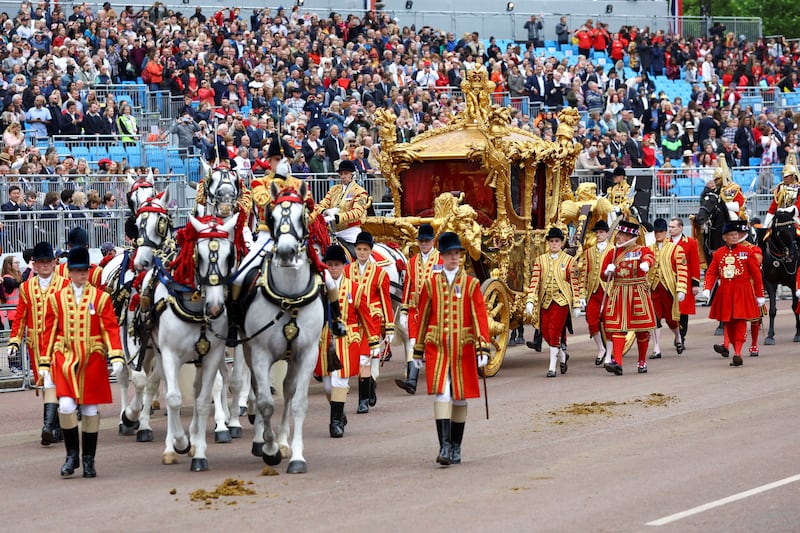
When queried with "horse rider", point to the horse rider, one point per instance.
{"points": [[619, 194], [345, 205], [421, 267], [740, 292], [77, 237], [755, 323], [669, 282], [786, 197], [80, 331], [453, 329], [692, 254], [339, 357], [628, 306], [370, 290], [592, 286], [29, 323], [552, 293], [730, 192]]}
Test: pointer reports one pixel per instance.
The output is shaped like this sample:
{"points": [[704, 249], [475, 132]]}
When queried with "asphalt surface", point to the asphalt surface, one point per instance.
{"points": [[692, 431]]}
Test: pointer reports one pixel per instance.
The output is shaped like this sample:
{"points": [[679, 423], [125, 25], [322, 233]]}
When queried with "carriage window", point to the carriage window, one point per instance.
{"points": [[517, 189]]}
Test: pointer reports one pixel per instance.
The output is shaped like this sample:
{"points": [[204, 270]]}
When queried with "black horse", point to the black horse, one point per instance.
{"points": [[781, 258]]}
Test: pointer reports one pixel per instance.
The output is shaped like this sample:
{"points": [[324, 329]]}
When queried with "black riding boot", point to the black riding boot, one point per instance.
{"points": [[363, 395], [536, 343], [72, 443], [337, 327], [50, 424], [456, 434], [89, 449], [443, 429], [337, 422], [410, 383], [373, 397]]}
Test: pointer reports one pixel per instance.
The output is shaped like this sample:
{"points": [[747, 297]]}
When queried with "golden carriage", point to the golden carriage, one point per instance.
{"points": [[499, 187]]}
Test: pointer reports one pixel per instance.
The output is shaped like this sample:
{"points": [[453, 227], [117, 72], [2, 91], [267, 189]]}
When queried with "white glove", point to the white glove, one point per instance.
{"points": [[577, 311], [44, 375], [375, 352], [418, 363], [645, 267], [582, 303], [681, 296], [389, 338], [116, 368], [706, 294], [402, 321], [529, 309], [329, 218], [610, 268], [13, 351], [332, 212], [761, 301], [483, 360]]}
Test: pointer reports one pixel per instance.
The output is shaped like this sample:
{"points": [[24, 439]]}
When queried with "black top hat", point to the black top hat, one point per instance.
{"points": [[731, 226], [600, 225], [555, 233], [619, 171], [449, 241], [78, 258], [78, 237], [365, 237], [659, 224], [630, 228], [334, 253], [346, 166], [425, 233], [43, 251], [279, 148]]}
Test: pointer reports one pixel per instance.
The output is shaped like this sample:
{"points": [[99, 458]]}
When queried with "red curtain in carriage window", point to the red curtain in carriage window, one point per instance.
{"points": [[423, 182]]}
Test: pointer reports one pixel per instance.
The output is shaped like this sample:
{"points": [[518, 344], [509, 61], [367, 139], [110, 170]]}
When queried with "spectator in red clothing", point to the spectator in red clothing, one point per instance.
{"points": [[584, 36]]}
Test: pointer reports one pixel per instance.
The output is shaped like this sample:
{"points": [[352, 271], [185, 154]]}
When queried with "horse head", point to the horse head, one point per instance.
{"points": [[782, 239], [155, 226], [709, 204], [222, 191], [289, 224], [141, 189], [215, 255]]}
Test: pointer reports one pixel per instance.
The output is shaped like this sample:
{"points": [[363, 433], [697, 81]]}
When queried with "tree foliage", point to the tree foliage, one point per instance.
{"points": [[779, 17]]}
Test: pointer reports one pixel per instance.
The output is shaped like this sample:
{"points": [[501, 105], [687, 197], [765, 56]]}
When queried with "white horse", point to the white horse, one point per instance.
{"points": [[186, 330], [284, 321]]}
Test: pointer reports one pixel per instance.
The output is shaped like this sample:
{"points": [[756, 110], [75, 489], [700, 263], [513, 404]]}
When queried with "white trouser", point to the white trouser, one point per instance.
{"points": [[339, 382], [349, 235], [48, 382], [446, 397], [67, 406]]}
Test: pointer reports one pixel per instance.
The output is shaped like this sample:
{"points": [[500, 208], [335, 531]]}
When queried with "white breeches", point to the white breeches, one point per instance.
{"points": [[349, 234], [67, 406], [446, 396], [48, 382], [339, 382]]}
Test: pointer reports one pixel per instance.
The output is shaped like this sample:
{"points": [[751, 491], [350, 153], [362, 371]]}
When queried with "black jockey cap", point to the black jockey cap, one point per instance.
{"points": [[731, 226], [43, 251], [334, 253], [660, 224], [449, 241], [279, 148], [425, 233], [600, 225], [555, 233], [78, 258], [365, 237], [346, 165], [619, 171], [78, 237]]}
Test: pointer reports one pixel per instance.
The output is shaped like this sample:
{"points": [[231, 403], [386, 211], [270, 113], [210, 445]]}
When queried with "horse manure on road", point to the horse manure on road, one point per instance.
{"points": [[576, 411], [269, 471], [229, 487]]}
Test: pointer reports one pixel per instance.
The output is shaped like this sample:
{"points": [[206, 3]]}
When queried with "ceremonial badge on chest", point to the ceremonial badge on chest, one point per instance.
{"points": [[742, 255], [349, 297], [729, 270], [458, 291], [437, 268], [633, 256], [91, 309]]}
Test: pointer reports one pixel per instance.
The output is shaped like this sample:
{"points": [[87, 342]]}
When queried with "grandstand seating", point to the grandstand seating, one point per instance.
{"points": [[134, 156]]}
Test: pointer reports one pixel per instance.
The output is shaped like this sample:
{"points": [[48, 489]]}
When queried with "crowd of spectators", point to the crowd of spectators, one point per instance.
{"points": [[317, 80]]}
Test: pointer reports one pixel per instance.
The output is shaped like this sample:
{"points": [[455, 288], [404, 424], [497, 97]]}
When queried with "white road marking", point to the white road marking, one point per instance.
{"points": [[717, 503]]}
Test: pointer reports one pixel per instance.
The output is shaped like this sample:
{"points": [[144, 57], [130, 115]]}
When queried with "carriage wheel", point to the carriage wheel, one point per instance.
{"points": [[495, 294]]}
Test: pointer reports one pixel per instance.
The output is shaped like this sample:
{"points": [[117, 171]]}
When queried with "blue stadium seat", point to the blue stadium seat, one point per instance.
{"points": [[80, 152], [117, 153], [177, 166], [755, 161], [697, 186], [98, 152], [550, 44], [156, 157], [193, 169], [134, 156], [683, 187]]}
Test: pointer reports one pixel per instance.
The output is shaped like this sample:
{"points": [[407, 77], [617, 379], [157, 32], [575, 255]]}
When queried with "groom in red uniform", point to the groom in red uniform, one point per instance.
{"points": [[740, 293]]}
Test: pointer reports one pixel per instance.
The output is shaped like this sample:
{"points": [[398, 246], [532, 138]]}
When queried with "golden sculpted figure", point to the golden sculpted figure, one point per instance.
{"points": [[477, 92]]}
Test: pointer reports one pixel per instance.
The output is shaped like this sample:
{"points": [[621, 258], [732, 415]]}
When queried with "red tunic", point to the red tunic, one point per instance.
{"points": [[628, 306], [369, 292], [348, 348], [738, 271], [419, 272], [689, 245], [452, 320], [31, 310], [77, 338]]}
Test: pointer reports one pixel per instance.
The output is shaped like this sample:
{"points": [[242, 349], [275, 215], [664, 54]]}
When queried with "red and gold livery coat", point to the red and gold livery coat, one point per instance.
{"points": [[31, 310], [452, 321], [419, 272], [591, 280], [628, 306], [77, 337], [352, 201], [369, 292], [669, 269], [560, 272], [739, 273], [262, 197], [348, 348], [690, 251]]}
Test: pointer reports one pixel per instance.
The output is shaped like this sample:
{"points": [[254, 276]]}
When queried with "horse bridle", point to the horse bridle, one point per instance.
{"points": [[213, 276], [284, 225], [163, 224], [213, 190]]}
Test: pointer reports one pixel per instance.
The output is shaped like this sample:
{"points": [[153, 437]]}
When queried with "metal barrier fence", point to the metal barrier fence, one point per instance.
{"points": [[14, 371]]}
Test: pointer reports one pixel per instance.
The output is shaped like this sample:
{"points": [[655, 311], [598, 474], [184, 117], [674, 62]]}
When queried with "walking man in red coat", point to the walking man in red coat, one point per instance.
{"points": [[628, 306], [740, 293], [592, 287], [690, 251], [453, 333], [80, 331]]}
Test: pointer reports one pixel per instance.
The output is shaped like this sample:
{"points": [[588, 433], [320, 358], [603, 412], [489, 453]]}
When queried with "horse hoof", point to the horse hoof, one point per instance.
{"points": [[222, 437], [286, 452], [144, 435], [251, 419], [184, 451], [769, 341], [242, 411], [255, 450], [236, 432], [199, 465], [297, 467], [126, 431], [272, 460], [169, 458]]}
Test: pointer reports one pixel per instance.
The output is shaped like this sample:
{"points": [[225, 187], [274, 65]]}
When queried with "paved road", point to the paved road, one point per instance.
{"points": [[532, 466]]}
